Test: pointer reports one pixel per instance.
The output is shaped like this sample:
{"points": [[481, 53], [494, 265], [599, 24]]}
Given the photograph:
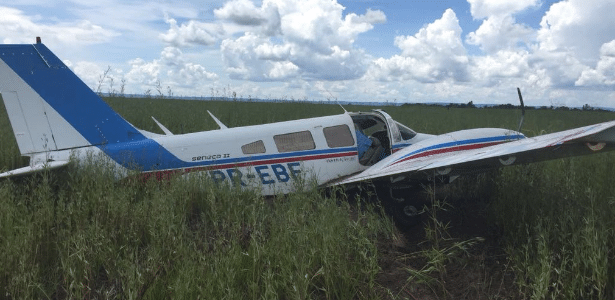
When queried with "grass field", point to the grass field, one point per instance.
{"points": [[80, 234]]}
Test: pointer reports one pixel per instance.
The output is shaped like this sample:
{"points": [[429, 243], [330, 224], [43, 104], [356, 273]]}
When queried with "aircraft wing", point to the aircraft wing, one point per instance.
{"points": [[35, 168], [418, 162]]}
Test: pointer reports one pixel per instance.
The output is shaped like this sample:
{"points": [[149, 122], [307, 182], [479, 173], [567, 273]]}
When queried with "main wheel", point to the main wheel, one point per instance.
{"points": [[405, 211], [406, 215]]}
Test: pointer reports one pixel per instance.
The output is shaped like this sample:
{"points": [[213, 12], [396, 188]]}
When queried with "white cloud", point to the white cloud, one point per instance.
{"points": [[142, 72], [171, 69], [491, 69], [193, 73], [191, 33], [89, 72], [435, 53], [500, 32], [481, 9], [243, 12], [252, 57], [555, 56], [578, 26], [307, 39], [604, 73]]}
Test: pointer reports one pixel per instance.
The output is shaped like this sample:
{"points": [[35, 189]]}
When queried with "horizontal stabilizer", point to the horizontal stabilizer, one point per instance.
{"points": [[36, 168]]}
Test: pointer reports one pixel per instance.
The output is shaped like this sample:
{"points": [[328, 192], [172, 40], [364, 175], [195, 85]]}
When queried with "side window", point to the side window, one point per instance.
{"points": [[338, 136], [253, 148], [406, 133], [295, 141]]}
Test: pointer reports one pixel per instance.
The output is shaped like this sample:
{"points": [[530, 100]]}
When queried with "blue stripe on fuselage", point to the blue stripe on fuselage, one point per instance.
{"points": [[148, 155], [465, 142]]}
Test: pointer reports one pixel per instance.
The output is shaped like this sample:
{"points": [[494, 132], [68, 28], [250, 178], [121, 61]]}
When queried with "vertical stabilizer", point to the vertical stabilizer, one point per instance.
{"points": [[50, 108]]}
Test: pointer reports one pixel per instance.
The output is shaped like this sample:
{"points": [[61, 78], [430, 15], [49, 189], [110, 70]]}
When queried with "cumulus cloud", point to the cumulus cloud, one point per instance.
{"points": [[142, 72], [172, 68], [578, 26], [252, 57], [243, 12], [435, 53], [557, 55], [604, 73], [89, 72], [191, 33], [500, 32], [489, 70], [285, 39]]}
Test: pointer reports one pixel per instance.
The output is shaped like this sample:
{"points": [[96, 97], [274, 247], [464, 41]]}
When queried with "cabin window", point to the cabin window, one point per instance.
{"points": [[253, 148], [338, 136], [295, 141]]}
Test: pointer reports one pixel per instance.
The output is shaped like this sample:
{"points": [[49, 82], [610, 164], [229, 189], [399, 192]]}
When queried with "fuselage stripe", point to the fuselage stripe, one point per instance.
{"points": [[458, 146], [254, 162], [272, 161], [446, 150]]}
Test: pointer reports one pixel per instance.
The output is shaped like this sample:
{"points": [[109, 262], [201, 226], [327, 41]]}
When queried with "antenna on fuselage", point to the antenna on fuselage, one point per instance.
{"points": [[522, 110]]}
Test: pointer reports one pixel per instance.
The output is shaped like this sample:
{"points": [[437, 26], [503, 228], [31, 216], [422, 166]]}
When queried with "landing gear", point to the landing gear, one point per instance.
{"points": [[406, 215], [404, 205]]}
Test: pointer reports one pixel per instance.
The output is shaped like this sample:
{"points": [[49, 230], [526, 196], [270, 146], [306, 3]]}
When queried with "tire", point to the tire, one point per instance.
{"points": [[406, 215]]}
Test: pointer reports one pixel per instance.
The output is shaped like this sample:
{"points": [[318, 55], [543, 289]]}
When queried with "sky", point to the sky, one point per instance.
{"points": [[559, 53]]}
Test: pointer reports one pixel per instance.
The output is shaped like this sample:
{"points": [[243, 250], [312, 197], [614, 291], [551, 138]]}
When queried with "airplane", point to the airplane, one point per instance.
{"points": [[56, 118]]}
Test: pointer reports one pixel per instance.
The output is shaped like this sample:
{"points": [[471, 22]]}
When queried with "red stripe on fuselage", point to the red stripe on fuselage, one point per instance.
{"points": [[166, 174], [449, 149]]}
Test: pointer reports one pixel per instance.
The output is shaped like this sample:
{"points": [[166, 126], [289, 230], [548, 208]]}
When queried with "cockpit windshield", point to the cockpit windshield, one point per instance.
{"points": [[406, 133]]}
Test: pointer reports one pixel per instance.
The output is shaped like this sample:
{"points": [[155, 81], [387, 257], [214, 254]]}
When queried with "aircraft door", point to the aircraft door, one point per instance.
{"points": [[394, 136], [373, 136]]}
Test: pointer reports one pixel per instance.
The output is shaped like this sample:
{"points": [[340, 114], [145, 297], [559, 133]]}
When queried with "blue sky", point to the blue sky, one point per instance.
{"points": [[557, 52]]}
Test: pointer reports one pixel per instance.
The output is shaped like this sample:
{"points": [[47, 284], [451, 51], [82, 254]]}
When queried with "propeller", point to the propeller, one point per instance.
{"points": [[522, 110]]}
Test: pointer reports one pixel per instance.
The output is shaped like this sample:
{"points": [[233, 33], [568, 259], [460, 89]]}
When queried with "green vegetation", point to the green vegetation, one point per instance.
{"points": [[81, 234]]}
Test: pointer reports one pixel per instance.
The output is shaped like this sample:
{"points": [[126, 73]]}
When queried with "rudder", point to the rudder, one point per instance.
{"points": [[50, 108]]}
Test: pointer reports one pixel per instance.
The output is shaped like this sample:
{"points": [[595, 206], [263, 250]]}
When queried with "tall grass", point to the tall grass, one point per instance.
{"points": [[559, 224], [80, 235]]}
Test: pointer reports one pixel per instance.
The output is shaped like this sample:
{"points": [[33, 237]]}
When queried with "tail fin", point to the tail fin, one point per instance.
{"points": [[50, 108]]}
